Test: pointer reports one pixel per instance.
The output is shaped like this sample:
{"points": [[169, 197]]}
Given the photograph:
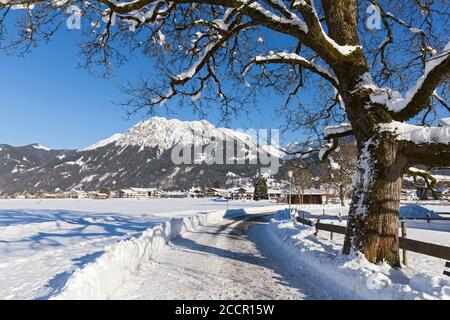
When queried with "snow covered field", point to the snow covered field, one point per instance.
{"points": [[42, 242], [45, 246], [157, 208]]}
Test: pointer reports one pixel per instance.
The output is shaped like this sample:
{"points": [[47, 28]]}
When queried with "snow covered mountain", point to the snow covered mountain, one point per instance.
{"points": [[164, 134], [140, 158]]}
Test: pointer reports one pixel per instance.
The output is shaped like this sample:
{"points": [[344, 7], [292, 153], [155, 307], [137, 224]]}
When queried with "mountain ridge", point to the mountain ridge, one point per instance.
{"points": [[140, 157]]}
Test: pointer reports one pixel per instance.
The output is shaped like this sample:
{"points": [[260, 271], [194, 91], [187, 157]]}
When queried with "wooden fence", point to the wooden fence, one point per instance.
{"points": [[447, 272], [325, 216], [429, 249]]}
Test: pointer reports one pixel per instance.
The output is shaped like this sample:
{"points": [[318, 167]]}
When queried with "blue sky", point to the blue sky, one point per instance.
{"points": [[46, 98]]}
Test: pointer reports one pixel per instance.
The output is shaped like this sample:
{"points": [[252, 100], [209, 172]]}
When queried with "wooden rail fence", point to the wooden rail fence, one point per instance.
{"points": [[426, 248], [345, 217]]}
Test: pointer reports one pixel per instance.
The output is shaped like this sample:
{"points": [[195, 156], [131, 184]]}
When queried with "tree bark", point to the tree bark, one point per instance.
{"points": [[373, 223]]}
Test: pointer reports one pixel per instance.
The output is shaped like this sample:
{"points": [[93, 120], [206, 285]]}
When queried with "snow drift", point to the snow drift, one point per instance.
{"points": [[99, 279], [352, 277]]}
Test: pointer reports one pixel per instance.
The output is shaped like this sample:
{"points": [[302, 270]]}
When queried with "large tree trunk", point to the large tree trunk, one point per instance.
{"points": [[373, 223]]}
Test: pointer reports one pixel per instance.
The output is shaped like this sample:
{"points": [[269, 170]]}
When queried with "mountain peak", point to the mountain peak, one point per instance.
{"points": [[114, 138], [159, 132], [40, 146], [163, 134]]}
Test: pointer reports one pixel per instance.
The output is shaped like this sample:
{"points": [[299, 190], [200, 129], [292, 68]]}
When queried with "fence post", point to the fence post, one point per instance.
{"points": [[404, 235], [331, 235], [317, 229], [447, 265]]}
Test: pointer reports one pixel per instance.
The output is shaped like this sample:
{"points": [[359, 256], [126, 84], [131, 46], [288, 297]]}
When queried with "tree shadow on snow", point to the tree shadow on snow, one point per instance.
{"points": [[57, 283], [69, 224], [41, 230]]}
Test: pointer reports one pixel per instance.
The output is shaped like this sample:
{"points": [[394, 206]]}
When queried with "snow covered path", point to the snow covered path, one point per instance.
{"points": [[230, 260], [43, 242]]}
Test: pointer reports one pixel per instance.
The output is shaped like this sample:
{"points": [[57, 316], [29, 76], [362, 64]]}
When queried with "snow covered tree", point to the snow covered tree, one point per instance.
{"points": [[261, 189], [377, 70]]}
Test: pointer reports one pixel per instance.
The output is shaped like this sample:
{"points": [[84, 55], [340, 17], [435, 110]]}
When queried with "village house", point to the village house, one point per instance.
{"points": [[50, 196], [309, 196], [247, 193], [139, 193], [242, 193], [274, 194], [215, 192], [100, 196], [196, 193], [75, 194], [175, 194]]}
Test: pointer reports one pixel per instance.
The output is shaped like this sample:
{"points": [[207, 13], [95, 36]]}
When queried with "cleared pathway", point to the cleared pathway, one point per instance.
{"points": [[234, 259]]}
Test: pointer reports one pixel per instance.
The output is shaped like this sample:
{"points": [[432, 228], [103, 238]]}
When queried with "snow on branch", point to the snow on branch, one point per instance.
{"points": [[292, 19], [233, 28], [191, 72], [332, 134], [293, 58], [326, 149], [417, 134], [339, 131], [308, 10], [250, 7], [436, 69]]}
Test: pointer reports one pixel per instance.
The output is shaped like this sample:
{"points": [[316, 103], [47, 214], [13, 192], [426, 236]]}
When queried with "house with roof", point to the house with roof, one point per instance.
{"points": [[216, 192], [242, 193], [139, 193], [308, 196]]}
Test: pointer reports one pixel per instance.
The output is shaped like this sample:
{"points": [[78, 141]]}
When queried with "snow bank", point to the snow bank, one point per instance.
{"points": [[416, 211], [98, 280], [352, 277]]}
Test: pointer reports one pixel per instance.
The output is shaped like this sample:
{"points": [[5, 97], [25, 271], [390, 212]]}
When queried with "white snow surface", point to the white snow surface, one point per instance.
{"points": [[105, 142], [86, 249], [444, 122], [353, 277], [417, 134], [100, 279], [41, 147], [43, 242], [229, 259], [107, 276], [337, 129]]}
